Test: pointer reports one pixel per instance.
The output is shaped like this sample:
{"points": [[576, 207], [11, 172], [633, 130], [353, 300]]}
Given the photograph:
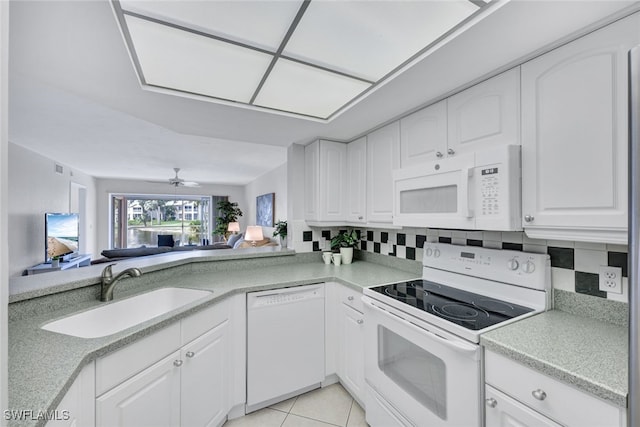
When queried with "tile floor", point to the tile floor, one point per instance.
{"points": [[325, 407]]}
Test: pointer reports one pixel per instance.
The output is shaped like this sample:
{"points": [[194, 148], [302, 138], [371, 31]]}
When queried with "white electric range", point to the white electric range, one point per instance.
{"points": [[422, 358]]}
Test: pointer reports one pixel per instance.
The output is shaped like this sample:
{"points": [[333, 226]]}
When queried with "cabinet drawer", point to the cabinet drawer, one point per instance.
{"points": [[562, 402], [116, 367], [204, 320], [351, 297]]}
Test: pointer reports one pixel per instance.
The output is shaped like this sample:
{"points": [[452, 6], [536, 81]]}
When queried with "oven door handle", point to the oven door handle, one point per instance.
{"points": [[455, 345]]}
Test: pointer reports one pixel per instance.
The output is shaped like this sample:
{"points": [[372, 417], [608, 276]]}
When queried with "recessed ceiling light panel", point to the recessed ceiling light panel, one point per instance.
{"points": [[369, 39], [258, 23], [295, 87], [188, 62]]}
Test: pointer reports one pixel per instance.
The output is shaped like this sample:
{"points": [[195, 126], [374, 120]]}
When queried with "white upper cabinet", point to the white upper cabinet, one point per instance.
{"points": [[485, 115], [325, 177], [383, 155], [423, 135], [574, 137], [357, 181]]}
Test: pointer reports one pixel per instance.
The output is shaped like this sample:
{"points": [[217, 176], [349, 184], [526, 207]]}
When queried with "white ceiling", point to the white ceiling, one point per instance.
{"points": [[75, 97]]}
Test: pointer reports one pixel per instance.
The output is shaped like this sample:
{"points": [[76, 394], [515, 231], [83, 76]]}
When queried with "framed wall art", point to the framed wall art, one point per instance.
{"points": [[264, 210]]}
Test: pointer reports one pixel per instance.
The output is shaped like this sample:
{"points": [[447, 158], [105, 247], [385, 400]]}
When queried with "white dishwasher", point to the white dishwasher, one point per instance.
{"points": [[285, 343]]}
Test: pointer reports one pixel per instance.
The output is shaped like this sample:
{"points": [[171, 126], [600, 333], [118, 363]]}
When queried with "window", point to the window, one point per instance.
{"points": [[137, 220]]}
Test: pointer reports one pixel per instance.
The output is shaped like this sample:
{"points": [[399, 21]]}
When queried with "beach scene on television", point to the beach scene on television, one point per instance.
{"points": [[62, 234]]}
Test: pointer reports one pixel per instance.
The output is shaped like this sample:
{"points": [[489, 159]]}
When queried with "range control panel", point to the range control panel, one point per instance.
{"points": [[515, 267]]}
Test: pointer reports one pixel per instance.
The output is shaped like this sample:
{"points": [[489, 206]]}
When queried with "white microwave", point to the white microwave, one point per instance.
{"points": [[474, 191]]}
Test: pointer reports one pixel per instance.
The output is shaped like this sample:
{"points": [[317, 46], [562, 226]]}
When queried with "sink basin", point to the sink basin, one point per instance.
{"points": [[118, 316]]}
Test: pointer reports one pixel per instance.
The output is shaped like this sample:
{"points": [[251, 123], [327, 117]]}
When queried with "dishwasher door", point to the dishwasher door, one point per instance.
{"points": [[285, 343]]}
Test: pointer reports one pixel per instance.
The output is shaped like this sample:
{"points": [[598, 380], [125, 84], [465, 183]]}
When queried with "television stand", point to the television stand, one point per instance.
{"points": [[77, 262]]}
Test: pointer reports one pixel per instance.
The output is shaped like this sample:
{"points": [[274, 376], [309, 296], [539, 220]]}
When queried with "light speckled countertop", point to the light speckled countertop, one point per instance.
{"points": [[42, 364], [589, 354]]}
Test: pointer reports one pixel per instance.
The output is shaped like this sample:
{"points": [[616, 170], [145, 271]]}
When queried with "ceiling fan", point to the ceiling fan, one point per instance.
{"points": [[179, 182]]}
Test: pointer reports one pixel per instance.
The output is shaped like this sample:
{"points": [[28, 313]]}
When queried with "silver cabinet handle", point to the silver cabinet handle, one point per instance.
{"points": [[451, 152], [177, 363], [350, 298], [439, 154], [360, 217], [190, 354], [491, 402], [359, 321], [539, 394], [528, 218]]}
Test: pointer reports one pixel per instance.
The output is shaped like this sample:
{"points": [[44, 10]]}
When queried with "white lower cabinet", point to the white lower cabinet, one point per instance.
{"points": [[151, 398], [77, 407], [503, 411], [197, 384], [519, 396], [350, 366]]}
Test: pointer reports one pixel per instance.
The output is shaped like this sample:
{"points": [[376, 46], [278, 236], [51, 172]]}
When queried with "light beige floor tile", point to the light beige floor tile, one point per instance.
{"points": [[330, 404], [262, 418], [296, 421], [284, 406], [356, 416]]}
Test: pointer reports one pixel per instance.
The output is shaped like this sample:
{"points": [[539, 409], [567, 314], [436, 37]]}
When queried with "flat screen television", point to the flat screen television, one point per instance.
{"points": [[61, 234]]}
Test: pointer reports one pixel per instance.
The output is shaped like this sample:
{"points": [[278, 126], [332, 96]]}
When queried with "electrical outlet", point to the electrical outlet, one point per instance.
{"points": [[610, 279], [322, 244]]}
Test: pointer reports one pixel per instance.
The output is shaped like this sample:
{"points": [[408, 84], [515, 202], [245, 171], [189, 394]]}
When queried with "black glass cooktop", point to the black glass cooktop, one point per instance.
{"points": [[464, 308]]}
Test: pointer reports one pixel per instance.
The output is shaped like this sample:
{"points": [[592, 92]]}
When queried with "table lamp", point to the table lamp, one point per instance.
{"points": [[253, 234]]}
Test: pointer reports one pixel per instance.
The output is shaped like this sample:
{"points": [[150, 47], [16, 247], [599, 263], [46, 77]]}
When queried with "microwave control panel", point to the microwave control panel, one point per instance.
{"points": [[490, 190]]}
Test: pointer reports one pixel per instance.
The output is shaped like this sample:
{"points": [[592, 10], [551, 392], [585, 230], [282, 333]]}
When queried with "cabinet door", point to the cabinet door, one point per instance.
{"points": [[423, 135], [485, 115], [151, 398], [204, 400], [351, 350], [574, 139], [356, 200], [383, 152], [333, 174], [502, 411], [77, 407], [311, 179]]}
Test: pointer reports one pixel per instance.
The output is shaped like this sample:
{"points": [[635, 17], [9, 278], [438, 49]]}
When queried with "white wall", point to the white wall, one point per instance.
{"points": [[36, 188], [4, 241], [274, 181], [105, 187]]}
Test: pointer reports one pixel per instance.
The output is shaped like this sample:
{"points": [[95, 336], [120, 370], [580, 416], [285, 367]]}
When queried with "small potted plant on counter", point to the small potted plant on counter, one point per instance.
{"points": [[281, 230], [345, 241]]}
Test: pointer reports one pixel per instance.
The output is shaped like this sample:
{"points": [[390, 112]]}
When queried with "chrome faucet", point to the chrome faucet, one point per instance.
{"points": [[108, 282]]}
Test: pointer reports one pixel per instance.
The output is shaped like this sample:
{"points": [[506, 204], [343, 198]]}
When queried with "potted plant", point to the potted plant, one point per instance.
{"points": [[55, 261], [281, 230], [345, 242], [228, 212]]}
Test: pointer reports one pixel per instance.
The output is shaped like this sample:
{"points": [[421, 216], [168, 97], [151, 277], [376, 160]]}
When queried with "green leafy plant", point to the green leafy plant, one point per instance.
{"points": [[228, 212], [346, 239], [280, 229]]}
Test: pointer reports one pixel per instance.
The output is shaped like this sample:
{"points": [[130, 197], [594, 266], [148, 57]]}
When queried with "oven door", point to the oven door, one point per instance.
{"points": [[437, 193], [428, 376]]}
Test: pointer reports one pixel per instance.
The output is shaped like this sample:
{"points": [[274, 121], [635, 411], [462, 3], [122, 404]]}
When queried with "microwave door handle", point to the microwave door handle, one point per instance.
{"points": [[467, 211]]}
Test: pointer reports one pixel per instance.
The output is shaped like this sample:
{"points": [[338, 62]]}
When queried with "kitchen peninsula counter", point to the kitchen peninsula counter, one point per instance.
{"points": [[43, 364]]}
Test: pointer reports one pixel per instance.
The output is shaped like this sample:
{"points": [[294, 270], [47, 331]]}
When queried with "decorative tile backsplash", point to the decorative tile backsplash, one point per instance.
{"points": [[574, 265]]}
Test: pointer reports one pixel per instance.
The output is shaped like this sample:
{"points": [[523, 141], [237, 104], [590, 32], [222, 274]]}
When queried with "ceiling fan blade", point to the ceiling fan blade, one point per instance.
{"points": [[190, 184]]}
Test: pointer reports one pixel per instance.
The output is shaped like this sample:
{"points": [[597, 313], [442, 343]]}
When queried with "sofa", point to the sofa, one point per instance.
{"points": [[234, 242], [110, 255]]}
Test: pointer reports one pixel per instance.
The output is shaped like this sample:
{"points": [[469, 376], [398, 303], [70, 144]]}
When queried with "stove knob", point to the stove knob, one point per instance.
{"points": [[436, 253], [429, 251], [513, 264], [528, 267]]}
